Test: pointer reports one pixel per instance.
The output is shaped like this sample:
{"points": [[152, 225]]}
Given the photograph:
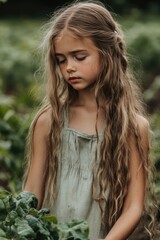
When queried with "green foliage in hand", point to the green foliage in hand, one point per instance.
{"points": [[19, 220]]}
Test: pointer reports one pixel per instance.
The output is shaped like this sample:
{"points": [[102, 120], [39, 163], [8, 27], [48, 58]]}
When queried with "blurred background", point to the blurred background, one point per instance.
{"points": [[20, 34]]}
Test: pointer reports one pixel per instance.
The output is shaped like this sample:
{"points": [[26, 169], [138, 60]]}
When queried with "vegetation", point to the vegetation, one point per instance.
{"points": [[20, 220], [12, 140]]}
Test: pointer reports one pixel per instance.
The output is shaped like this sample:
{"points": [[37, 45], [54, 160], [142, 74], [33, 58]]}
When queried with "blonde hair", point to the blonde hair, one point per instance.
{"points": [[122, 103]]}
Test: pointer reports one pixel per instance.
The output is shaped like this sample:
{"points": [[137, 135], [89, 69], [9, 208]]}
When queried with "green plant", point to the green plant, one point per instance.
{"points": [[13, 131], [18, 55], [144, 48], [155, 123], [20, 220]]}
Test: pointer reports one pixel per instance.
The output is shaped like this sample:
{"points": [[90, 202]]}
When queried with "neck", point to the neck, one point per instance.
{"points": [[87, 98]]}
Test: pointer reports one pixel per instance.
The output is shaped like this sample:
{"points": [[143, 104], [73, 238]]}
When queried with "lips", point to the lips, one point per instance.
{"points": [[74, 79]]}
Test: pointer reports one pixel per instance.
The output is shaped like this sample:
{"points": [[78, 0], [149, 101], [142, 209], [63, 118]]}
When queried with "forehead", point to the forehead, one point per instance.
{"points": [[67, 41]]}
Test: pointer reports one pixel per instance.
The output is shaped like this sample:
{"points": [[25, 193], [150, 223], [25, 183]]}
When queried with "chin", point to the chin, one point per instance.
{"points": [[80, 88]]}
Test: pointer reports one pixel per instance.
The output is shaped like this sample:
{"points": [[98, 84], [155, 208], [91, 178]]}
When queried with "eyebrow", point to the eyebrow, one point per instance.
{"points": [[71, 52]]}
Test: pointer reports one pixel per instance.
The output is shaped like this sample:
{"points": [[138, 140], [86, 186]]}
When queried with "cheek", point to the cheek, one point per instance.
{"points": [[93, 64], [93, 68], [62, 70]]}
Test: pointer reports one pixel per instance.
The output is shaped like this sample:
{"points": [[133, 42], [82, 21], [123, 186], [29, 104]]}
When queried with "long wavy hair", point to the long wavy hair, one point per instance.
{"points": [[122, 103]]}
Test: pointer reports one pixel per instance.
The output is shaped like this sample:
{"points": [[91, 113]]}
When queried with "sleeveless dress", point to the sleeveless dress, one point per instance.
{"points": [[74, 179]]}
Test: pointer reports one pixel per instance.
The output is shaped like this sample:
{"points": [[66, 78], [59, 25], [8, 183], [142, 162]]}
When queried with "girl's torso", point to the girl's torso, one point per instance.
{"points": [[74, 178]]}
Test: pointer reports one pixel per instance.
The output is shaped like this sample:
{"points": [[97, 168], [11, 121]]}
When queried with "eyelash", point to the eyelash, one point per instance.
{"points": [[80, 58], [60, 62], [77, 58]]}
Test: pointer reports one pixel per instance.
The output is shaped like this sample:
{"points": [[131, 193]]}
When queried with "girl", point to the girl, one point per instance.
{"points": [[88, 147]]}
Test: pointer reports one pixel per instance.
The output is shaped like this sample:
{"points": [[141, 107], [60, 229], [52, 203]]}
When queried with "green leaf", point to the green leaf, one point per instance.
{"points": [[2, 233], [5, 145], [10, 219], [76, 229], [33, 212], [12, 202], [37, 225], [3, 194], [52, 219], [28, 197], [43, 212], [33, 222], [23, 229], [20, 211]]}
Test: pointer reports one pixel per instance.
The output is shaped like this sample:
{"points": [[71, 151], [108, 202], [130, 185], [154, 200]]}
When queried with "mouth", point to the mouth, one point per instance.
{"points": [[74, 79]]}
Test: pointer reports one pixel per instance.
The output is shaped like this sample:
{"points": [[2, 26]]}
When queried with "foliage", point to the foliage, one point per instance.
{"points": [[143, 45], [20, 220], [152, 95], [13, 131], [125, 6], [18, 60], [156, 148]]}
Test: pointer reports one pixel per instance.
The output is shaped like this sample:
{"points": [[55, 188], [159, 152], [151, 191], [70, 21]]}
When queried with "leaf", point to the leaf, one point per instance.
{"points": [[51, 219], [29, 198], [33, 212], [20, 211], [37, 225], [43, 231], [5, 145], [4, 238], [76, 229], [6, 202], [12, 202], [2, 233], [23, 229], [3, 194], [10, 219], [33, 222], [43, 212]]}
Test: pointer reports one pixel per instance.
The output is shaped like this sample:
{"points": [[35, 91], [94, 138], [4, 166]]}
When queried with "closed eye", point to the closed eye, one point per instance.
{"points": [[80, 58], [60, 61]]}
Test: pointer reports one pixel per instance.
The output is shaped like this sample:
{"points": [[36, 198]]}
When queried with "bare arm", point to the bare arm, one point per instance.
{"points": [[134, 201], [36, 177]]}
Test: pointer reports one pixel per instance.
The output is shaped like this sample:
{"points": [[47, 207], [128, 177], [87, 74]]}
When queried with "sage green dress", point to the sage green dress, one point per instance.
{"points": [[74, 181]]}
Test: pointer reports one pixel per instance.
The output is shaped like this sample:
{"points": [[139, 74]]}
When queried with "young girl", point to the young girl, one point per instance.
{"points": [[88, 147]]}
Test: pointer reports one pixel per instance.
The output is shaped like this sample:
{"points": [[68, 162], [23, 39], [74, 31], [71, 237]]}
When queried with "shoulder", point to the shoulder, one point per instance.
{"points": [[142, 132], [142, 121], [143, 125], [43, 123]]}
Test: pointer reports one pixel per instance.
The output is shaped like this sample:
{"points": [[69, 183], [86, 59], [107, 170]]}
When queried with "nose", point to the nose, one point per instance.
{"points": [[70, 66]]}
